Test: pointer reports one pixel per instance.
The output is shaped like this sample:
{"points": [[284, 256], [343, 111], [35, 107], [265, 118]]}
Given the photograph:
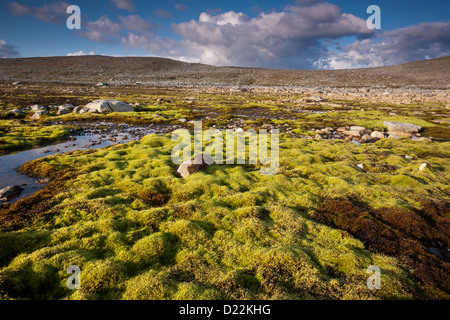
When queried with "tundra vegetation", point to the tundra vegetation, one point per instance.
{"points": [[139, 231]]}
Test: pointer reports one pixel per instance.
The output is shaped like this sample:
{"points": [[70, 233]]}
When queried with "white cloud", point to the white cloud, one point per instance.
{"points": [[124, 4], [80, 53], [7, 50], [101, 30], [288, 38], [419, 42]]}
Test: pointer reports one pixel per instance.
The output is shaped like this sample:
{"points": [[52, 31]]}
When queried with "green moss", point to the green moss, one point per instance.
{"points": [[139, 232]]}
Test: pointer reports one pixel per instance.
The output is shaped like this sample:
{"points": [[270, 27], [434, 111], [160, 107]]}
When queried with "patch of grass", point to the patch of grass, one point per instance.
{"points": [[16, 135], [138, 231]]}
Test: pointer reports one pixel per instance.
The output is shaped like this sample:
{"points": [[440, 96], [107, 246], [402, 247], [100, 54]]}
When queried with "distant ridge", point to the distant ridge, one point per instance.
{"points": [[433, 73]]}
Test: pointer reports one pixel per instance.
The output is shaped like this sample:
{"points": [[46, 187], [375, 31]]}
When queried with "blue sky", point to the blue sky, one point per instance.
{"points": [[309, 34]]}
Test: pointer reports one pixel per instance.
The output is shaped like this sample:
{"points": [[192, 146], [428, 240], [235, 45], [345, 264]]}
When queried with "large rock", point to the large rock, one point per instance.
{"points": [[108, 105], [402, 127], [64, 109], [199, 162], [38, 114], [37, 107], [10, 192]]}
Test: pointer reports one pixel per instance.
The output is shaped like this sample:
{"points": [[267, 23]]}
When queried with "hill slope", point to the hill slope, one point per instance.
{"points": [[433, 73]]}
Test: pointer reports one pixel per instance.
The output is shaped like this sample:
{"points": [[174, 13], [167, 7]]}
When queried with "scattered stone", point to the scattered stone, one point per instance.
{"points": [[361, 166], [424, 166], [43, 181], [64, 109], [10, 192], [102, 84], [409, 157], [38, 114], [401, 134], [357, 128], [79, 110], [37, 107], [182, 120], [199, 162], [352, 133], [16, 111], [17, 83], [402, 127], [110, 105], [377, 135], [394, 136], [356, 142], [366, 138]]}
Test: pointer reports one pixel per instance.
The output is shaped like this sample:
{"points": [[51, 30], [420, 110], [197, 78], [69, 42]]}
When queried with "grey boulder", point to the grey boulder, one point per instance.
{"points": [[64, 109], [37, 107], [402, 127], [38, 114], [10, 192], [108, 105]]}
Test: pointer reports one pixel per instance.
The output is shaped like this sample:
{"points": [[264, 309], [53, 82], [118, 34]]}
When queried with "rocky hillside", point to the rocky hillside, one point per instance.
{"points": [[433, 73]]}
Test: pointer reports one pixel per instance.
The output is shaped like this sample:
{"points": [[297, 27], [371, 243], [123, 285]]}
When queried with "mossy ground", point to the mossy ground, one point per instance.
{"points": [[137, 231]]}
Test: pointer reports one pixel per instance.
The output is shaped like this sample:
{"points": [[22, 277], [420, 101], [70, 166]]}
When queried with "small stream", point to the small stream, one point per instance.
{"points": [[85, 137]]}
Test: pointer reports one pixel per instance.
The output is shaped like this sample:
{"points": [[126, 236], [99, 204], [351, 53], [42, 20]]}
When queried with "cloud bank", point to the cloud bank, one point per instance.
{"points": [[306, 35], [8, 51], [293, 37], [54, 12], [419, 42]]}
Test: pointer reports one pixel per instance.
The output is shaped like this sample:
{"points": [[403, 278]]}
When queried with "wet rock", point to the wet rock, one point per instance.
{"points": [[38, 114], [402, 127], [10, 192], [110, 105], [199, 162]]}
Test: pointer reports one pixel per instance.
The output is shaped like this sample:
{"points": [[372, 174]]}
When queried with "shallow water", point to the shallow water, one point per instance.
{"points": [[97, 136]]}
